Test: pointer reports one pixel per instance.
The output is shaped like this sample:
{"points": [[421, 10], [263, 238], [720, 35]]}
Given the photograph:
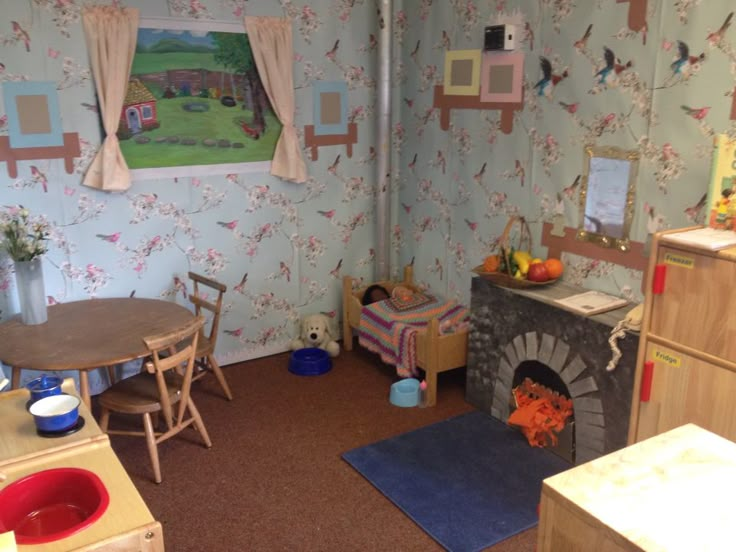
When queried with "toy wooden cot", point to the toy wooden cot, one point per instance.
{"points": [[435, 353]]}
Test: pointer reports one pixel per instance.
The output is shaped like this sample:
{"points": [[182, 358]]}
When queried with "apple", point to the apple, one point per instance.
{"points": [[537, 273]]}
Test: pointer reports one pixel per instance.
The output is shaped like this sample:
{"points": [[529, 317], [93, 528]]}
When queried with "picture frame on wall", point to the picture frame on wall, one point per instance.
{"points": [[34, 126], [502, 77], [462, 72], [330, 107], [195, 104], [33, 117], [722, 184]]}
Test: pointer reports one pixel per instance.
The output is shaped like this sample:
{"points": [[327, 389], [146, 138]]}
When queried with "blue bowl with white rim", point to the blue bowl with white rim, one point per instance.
{"points": [[56, 413]]}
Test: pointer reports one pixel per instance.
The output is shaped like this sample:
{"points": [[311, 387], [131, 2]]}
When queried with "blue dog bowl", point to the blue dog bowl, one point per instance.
{"points": [[405, 393], [310, 361], [55, 413]]}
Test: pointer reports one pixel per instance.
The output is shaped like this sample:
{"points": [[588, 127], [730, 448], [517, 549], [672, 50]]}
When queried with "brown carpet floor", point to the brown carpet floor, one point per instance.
{"points": [[274, 478]]}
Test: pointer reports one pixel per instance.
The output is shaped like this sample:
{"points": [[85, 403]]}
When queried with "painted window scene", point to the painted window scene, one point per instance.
{"points": [[195, 98]]}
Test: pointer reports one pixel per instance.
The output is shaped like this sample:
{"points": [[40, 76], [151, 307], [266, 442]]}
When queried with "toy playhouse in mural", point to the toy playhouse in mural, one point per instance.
{"points": [[195, 98]]}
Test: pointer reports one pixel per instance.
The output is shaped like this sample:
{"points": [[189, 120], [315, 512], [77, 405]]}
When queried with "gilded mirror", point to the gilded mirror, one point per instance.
{"points": [[607, 192]]}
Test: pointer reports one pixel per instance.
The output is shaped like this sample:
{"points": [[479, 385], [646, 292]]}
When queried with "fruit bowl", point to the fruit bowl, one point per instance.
{"points": [[503, 279]]}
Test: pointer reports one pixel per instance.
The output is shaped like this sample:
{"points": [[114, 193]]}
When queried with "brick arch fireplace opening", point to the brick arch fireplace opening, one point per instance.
{"points": [[539, 373], [513, 332], [548, 361]]}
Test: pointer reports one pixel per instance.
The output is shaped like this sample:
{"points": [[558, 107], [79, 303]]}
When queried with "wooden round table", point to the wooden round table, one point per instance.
{"points": [[85, 335]]}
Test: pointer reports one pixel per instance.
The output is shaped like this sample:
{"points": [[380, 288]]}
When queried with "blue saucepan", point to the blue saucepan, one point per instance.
{"points": [[44, 386]]}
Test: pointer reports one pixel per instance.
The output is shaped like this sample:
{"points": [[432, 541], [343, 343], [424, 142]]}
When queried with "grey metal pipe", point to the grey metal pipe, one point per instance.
{"points": [[383, 149]]}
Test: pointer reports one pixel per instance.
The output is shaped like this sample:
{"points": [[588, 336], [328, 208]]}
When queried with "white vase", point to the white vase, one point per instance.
{"points": [[31, 291]]}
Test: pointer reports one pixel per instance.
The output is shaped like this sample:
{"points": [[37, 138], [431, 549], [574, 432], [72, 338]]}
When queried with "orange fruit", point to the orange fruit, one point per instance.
{"points": [[491, 263], [554, 268]]}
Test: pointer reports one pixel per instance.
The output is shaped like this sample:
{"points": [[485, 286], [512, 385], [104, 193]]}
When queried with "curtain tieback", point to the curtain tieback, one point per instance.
{"points": [[288, 128]]}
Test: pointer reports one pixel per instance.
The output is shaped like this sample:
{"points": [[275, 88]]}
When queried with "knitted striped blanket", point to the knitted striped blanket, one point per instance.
{"points": [[392, 332]]}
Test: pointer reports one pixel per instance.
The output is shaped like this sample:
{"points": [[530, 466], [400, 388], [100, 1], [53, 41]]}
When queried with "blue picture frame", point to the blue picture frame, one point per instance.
{"points": [[14, 90], [330, 87]]}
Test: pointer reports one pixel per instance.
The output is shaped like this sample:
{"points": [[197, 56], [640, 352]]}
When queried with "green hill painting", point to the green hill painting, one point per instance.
{"points": [[195, 98]]}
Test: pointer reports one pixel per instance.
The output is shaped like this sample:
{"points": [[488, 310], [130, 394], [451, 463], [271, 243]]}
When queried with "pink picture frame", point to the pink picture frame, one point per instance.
{"points": [[502, 77]]}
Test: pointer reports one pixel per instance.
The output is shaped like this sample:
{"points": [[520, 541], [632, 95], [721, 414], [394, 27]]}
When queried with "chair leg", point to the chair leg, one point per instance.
{"points": [[220, 376], [155, 419], [198, 423], [104, 419], [152, 450]]}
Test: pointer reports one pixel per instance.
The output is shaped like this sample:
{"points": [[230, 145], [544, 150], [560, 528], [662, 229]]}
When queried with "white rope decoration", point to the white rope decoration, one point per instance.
{"points": [[617, 333]]}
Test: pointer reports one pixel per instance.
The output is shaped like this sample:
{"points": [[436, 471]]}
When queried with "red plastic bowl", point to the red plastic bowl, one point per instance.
{"points": [[52, 504]]}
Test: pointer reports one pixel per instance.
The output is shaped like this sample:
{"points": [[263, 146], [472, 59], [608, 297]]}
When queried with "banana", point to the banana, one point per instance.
{"points": [[522, 259]]}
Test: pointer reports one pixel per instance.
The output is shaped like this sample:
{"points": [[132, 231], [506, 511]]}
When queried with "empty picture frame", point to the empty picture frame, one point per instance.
{"points": [[32, 108], [330, 108], [462, 72], [502, 77]]}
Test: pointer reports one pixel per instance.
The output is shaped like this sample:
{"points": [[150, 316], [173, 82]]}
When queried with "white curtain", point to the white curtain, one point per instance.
{"points": [[111, 35], [271, 42]]}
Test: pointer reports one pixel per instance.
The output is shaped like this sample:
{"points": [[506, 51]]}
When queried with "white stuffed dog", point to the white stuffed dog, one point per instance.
{"points": [[316, 333]]}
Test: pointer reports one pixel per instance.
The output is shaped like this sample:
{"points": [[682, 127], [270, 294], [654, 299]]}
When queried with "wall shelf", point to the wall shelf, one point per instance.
{"points": [[637, 18], [68, 151], [313, 141], [445, 103], [634, 258]]}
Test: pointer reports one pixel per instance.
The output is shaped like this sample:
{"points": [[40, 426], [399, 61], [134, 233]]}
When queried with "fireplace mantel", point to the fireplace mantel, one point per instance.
{"points": [[510, 326]]}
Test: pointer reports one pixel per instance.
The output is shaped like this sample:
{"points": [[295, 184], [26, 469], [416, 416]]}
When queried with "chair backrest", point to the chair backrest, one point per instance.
{"points": [[214, 307], [175, 349]]}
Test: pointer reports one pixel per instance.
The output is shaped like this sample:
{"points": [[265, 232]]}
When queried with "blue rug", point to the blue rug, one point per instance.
{"points": [[469, 481]]}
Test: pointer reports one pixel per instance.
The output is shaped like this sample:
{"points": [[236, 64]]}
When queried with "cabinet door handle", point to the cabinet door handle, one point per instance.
{"points": [[660, 272], [646, 381]]}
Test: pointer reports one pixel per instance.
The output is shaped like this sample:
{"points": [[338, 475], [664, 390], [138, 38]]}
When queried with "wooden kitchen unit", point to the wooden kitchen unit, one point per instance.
{"points": [[670, 493], [686, 363], [127, 524]]}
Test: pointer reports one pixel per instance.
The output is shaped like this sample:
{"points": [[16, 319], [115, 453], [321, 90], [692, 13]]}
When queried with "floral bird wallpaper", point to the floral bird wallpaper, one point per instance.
{"points": [[657, 76], [654, 75], [281, 248]]}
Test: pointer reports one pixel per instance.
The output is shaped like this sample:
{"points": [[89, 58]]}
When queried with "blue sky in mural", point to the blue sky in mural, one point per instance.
{"points": [[148, 37]]}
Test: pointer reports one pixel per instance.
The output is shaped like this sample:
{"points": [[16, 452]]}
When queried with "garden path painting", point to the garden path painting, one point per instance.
{"points": [[195, 101]]}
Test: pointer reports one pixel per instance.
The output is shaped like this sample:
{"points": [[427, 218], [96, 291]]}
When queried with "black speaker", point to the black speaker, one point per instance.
{"points": [[500, 37]]}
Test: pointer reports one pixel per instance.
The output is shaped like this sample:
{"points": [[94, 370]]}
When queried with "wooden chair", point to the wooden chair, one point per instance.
{"points": [[158, 389], [206, 348]]}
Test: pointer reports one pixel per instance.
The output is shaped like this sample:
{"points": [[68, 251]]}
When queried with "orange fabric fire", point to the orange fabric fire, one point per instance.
{"points": [[540, 414]]}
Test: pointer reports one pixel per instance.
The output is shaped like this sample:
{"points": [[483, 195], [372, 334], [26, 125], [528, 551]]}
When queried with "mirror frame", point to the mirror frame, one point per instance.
{"points": [[609, 152]]}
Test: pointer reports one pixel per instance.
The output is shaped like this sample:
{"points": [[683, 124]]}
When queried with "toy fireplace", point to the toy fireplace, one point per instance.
{"points": [[519, 334]]}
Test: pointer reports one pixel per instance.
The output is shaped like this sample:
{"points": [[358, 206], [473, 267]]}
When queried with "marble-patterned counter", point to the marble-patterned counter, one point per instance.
{"points": [[511, 326], [668, 493]]}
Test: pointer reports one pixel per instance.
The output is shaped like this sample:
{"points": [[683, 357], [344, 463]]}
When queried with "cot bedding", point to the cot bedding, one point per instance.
{"points": [[438, 346], [391, 330]]}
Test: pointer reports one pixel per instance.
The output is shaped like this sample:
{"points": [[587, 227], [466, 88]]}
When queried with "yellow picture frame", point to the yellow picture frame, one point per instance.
{"points": [[462, 72], [722, 177]]}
